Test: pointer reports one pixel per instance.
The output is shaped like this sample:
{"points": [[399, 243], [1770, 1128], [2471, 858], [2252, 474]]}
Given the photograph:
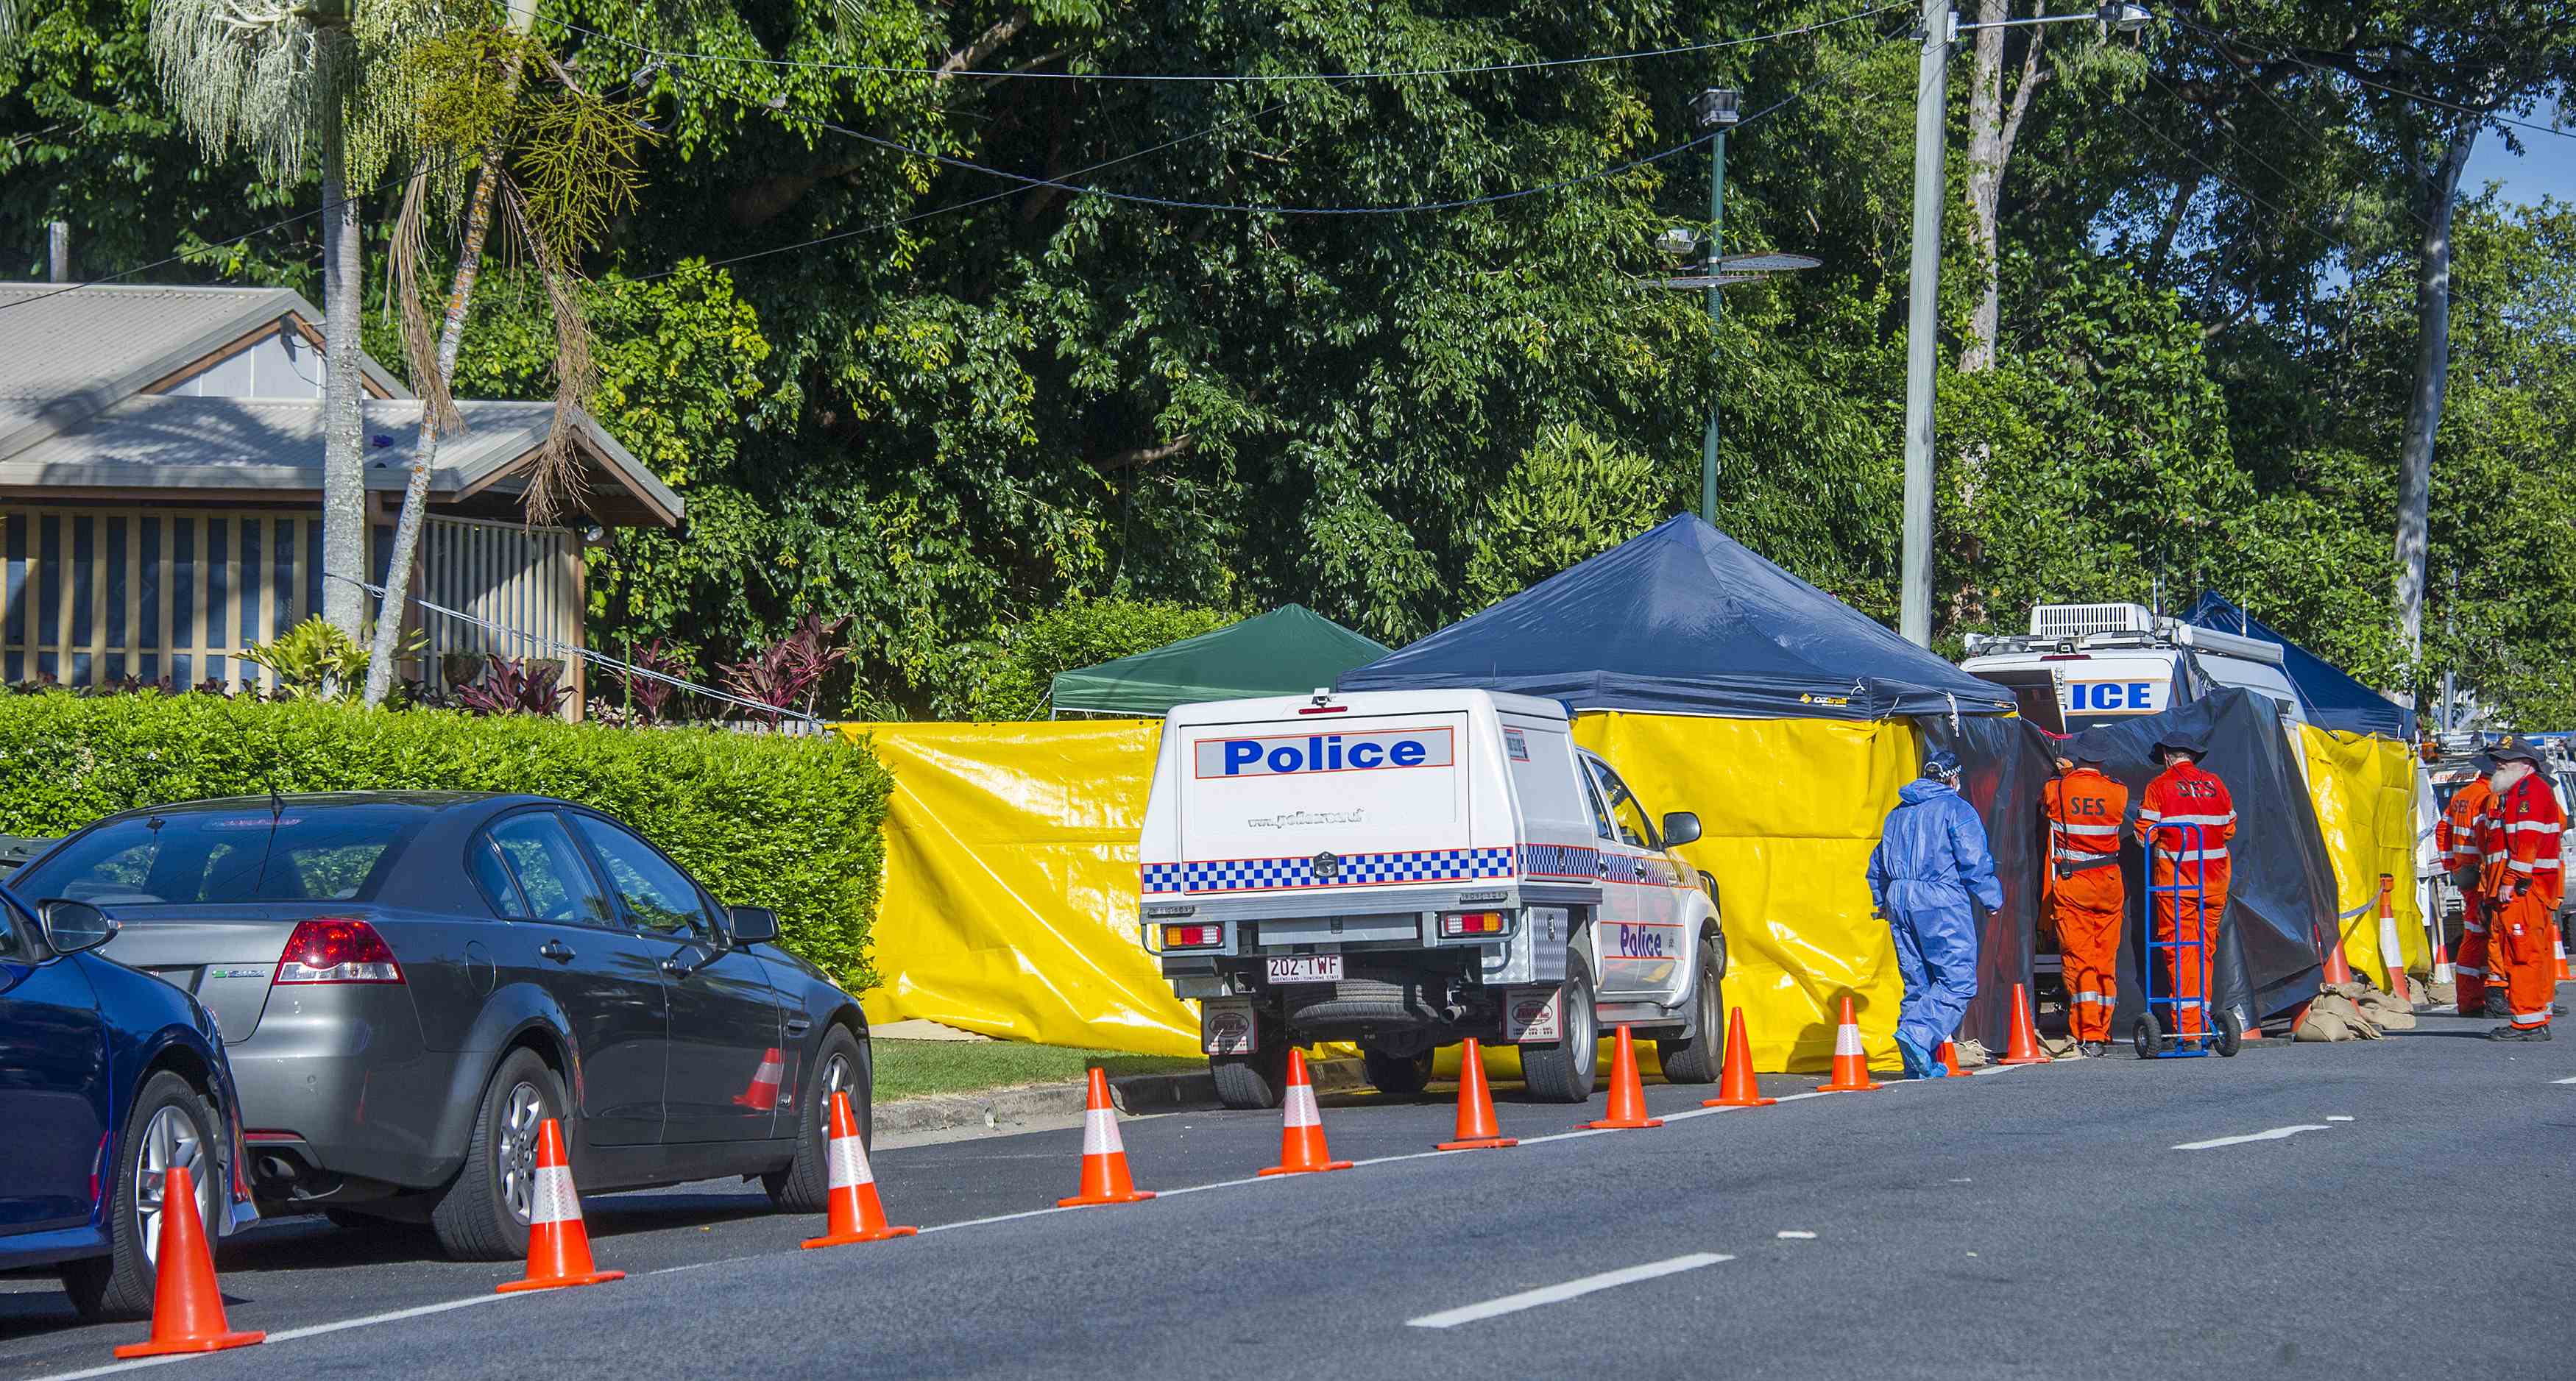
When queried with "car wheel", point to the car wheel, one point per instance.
{"points": [[1561, 1071], [1399, 1074], [172, 1125], [841, 1066], [1696, 1059], [483, 1213]]}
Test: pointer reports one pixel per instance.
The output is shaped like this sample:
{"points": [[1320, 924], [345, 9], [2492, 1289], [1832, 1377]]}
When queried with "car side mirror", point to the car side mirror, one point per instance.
{"points": [[1680, 827], [750, 925], [73, 926]]}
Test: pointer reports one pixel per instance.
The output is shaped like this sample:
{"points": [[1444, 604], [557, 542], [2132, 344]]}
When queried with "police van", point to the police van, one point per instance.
{"points": [[2087, 664], [1406, 869]]}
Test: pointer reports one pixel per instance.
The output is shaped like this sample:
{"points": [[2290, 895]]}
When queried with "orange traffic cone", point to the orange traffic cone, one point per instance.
{"points": [[2397, 982], [762, 1093], [2022, 1048], [1104, 1155], [1477, 1130], [1735, 1085], [1851, 1066], [1948, 1054], [2337, 971], [1627, 1110], [2566, 971], [2442, 971], [853, 1213], [558, 1244], [1301, 1137], [187, 1308]]}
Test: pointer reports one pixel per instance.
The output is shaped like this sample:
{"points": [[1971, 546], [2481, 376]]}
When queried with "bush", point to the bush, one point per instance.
{"points": [[787, 823], [1009, 677]]}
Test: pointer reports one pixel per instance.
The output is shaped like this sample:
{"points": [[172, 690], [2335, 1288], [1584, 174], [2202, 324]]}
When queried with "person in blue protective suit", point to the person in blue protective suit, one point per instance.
{"points": [[1931, 858]]}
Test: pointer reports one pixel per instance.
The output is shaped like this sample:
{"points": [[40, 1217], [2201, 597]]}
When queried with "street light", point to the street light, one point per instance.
{"points": [[1718, 109]]}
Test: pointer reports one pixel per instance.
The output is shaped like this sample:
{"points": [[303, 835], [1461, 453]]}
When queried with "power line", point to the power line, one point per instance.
{"points": [[2420, 97], [1535, 64], [2247, 192]]}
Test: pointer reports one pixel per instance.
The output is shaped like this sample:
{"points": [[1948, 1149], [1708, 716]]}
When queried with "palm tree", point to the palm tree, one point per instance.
{"points": [[284, 82]]}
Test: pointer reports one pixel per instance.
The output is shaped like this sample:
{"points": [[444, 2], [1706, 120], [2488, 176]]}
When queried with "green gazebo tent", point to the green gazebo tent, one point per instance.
{"points": [[1288, 650]]}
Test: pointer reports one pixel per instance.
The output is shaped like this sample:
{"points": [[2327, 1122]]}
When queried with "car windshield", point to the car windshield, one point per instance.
{"points": [[305, 852]]}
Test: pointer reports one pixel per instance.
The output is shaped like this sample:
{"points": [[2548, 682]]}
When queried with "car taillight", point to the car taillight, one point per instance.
{"points": [[336, 951], [1473, 923], [1192, 936]]}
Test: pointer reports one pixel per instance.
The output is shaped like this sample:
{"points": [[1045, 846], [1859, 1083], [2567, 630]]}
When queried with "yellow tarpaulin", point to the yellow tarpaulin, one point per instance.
{"points": [[1010, 890], [2364, 790]]}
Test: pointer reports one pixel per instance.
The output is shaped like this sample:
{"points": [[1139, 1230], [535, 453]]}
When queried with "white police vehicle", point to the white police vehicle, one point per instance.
{"points": [[2087, 664], [1406, 869]]}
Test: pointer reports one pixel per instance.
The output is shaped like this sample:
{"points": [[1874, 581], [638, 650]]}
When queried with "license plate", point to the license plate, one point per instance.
{"points": [[1305, 968]]}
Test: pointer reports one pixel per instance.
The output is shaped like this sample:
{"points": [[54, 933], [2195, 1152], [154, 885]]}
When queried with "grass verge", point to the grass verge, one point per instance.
{"points": [[911, 1069]]}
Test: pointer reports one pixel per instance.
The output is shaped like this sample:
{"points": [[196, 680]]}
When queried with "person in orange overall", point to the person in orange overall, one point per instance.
{"points": [[2457, 837], [2183, 797], [2523, 891], [2088, 900]]}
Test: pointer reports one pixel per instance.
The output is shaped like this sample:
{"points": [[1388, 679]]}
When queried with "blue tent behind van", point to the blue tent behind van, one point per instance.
{"points": [[2335, 700], [1686, 620]]}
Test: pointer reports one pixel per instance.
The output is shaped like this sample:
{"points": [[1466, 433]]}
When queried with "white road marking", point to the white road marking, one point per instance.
{"points": [[1796, 1235], [2563, 1081], [2275, 1134], [2333, 1117], [1557, 1294], [288, 1335]]}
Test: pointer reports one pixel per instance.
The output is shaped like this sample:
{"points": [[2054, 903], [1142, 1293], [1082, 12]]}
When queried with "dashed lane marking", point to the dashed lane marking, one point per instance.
{"points": [[1557, 1294], [2275, 1134]]}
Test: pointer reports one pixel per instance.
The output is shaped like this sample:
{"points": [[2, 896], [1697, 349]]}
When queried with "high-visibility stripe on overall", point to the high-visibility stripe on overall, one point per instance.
{"points": [[2087, 898], [2467, 835], [2523, 877], [2185, 796]]}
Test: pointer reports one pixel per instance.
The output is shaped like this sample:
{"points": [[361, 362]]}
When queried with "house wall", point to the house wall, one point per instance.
{"points": [[282, 365], [528, 580]]}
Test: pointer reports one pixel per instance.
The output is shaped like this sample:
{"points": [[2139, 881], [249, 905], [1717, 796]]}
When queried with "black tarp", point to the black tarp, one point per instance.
{"points": [[2006, 762], [1685, 620], [2281, 891]]}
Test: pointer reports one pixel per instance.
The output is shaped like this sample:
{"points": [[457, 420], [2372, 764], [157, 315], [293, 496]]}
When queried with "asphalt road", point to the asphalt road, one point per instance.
{"points": [[2095, 1218]]}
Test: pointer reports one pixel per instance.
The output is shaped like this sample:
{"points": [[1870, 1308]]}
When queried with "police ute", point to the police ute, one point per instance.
{"points": [[1406, 869], [2087, 664]]}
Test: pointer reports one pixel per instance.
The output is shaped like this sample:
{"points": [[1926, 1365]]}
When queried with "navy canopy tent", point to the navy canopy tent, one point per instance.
{"points": [[2335, 700], [1685, 620]]}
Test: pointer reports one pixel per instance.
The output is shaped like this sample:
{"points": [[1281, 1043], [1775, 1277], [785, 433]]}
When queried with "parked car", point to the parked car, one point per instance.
{"points": [[107, 1080], [409, 983]]}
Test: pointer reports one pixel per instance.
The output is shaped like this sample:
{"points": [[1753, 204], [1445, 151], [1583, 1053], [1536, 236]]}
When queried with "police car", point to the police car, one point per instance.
{"points": [[2087, 664], [1406, 869]]}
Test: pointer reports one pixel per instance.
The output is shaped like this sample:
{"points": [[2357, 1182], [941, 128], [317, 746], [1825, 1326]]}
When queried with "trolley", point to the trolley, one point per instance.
{"points": [[2221, 1032]]}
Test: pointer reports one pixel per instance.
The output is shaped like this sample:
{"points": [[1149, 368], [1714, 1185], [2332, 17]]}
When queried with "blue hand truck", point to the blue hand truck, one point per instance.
{"points": [[2221, 1031]]}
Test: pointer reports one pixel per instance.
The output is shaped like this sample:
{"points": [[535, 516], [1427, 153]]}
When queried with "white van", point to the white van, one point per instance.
{"points": [[2087, 664], [1406, 869]]}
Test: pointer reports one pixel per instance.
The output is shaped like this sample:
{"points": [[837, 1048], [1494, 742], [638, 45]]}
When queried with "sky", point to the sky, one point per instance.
{"points": [[2546, 166]]}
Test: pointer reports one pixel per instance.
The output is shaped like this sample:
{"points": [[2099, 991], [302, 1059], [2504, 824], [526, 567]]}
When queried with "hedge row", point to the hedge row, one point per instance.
{"points": [[788, 823]]}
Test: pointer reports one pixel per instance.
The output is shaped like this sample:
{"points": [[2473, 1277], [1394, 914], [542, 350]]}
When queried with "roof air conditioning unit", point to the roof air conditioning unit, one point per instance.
{"points": [[2078, 620]]}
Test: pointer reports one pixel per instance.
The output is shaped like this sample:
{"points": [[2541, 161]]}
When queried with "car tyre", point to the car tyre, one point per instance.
{"points": [[121, 1284], [805, 1186], [1562, 1071], [1698, 1059], [1397, 1074], [481, 1216], [1257, 1080]]}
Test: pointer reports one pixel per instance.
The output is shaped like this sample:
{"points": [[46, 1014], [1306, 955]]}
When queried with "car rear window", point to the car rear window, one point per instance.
{"points": [[301, 853]]}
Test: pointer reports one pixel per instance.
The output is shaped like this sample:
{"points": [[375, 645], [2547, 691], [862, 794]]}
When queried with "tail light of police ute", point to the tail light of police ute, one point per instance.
{"points": [[336, 949]]}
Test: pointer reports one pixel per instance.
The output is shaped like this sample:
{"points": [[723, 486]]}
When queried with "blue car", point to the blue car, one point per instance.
{"points": [[108, 1078]]}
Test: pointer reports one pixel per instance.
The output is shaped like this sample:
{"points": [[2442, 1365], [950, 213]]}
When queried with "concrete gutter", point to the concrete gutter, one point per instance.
{"points": [[938, 1117]]}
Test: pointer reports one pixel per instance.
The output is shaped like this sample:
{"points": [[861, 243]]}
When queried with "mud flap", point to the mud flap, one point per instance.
{"points": [[1228, 1028], [1531, 1014]]}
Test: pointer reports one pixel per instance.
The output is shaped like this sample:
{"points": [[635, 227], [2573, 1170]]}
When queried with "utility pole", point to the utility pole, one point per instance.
{"points": [[1718, 112], [58, 251], [1922, 318]]}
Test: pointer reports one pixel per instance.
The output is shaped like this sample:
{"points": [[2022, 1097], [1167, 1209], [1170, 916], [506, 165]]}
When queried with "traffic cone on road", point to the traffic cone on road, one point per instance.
{"points": [[1477, 1130], [558, 1244], [187, 1306], [1627, 1110], [2442, 972], [762, 1093], [1301, 1135], [853, 1213], [1851, 1065], [2565, 970], [1104, 1155], [2022, 1047], [2337, 971], [1948, 1055], [1735, 1085], [2397, 982]]}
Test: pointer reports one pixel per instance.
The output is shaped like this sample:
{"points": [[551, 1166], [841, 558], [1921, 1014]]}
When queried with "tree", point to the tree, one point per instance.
{"points": [[282, 83]]}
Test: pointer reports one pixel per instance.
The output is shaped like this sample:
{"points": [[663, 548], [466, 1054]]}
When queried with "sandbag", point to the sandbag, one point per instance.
{"points": [[2387, 1011], [2333, 1016]]}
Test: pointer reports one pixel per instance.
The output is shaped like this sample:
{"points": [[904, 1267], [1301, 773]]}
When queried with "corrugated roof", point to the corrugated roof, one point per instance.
{"points": [[67, 354]]}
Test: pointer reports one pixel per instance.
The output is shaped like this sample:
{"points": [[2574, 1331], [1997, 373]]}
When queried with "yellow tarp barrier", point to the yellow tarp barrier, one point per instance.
{"points": [[2364, 790], [1010, 890], [1010, 884]]}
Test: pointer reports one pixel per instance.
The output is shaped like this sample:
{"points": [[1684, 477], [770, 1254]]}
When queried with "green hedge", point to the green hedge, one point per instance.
{"points": [[788, 823]]}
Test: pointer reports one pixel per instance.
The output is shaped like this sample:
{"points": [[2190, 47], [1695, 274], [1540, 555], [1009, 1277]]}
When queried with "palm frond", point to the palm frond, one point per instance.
{"points": [[557, 484], [404, 259]]}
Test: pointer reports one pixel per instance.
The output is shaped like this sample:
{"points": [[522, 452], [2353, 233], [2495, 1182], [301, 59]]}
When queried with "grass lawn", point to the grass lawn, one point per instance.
{"points": [[909, 1069]]}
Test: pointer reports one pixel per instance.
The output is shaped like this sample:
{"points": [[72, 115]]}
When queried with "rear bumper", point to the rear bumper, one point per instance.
{"points": [[338, 1087]]}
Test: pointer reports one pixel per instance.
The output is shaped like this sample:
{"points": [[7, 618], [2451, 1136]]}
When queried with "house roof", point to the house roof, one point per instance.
{"points": [[68, 354], [161, 441]]}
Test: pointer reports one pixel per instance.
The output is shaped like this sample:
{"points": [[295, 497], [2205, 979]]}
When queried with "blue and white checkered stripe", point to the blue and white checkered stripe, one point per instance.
{"points": [[1356, 870], [1560, 861]]}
